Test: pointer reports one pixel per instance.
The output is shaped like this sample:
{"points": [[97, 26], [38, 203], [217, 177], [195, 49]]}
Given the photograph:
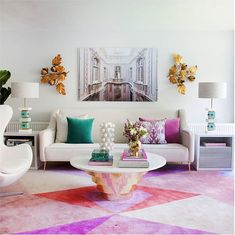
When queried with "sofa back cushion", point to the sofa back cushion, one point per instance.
{"points": [[118, 116]]}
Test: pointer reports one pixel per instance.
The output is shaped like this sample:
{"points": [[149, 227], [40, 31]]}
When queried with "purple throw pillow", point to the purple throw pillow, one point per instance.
{"points": [[156, 132], [172, 129]]}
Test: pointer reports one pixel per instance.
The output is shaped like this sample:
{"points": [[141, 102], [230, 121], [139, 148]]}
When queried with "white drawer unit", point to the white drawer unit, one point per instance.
{"points": [[214, 151]]}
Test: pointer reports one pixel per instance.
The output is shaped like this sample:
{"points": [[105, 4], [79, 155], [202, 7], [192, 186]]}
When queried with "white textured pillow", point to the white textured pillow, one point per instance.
{"points": [[62, 126]]}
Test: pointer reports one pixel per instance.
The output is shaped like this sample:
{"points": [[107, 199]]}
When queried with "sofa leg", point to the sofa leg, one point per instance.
{"points": [[8, 194], [44, 166], [189, 166]]}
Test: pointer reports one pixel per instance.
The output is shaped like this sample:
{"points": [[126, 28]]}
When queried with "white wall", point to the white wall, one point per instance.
{"points": [[32, 32]]}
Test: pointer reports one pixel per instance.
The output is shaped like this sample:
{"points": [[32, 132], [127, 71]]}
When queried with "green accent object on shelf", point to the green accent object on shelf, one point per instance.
{"points": [[99, 155]]}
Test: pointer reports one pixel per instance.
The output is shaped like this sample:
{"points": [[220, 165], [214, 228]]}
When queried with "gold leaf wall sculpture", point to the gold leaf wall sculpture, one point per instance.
{"points": [[56, 75], [179, 73]]}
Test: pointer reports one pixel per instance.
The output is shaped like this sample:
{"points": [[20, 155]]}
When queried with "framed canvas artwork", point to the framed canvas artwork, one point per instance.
{"points": [[117, 74]]}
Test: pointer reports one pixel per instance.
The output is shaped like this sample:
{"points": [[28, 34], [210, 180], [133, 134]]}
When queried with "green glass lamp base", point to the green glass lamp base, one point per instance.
{"points": [[25, 120]]}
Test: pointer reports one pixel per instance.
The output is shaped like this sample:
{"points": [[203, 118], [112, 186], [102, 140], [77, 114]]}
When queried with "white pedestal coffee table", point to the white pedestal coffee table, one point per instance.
{"points": [[116, 183]]}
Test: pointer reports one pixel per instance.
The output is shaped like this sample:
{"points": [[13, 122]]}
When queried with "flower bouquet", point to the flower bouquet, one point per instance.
{"points": [[133, 132]]}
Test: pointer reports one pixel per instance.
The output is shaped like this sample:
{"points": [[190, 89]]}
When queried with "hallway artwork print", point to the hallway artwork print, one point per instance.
{"points": [[117, 74]]}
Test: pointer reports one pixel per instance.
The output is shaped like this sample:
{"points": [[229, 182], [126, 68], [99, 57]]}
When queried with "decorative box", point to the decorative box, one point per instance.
{"points": [[99, 155]]}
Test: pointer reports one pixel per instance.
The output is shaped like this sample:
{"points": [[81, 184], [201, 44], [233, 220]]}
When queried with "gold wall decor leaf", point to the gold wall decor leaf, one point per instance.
{"points": [[55, 75], [179, 73], [181, 88], [60, 88]]}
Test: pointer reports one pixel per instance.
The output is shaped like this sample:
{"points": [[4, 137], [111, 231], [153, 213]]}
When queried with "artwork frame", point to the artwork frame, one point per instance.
{"points": [[118, 74]]}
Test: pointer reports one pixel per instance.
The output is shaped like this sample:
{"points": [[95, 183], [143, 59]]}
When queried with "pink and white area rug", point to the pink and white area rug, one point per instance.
{"points": [[171, 200]]}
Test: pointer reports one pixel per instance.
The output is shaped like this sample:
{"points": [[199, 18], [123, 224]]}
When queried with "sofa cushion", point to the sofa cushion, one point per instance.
{"points": [[62, 126], [156, 132], [79, 130], [171, 152], [65, 152]]}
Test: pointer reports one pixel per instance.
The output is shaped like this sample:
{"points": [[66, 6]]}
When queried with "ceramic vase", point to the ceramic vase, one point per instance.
{"points": [[107, 136]]}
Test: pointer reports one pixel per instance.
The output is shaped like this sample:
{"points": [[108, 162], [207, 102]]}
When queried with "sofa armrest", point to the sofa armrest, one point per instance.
{"points": [[46, 138], [187, 139]]}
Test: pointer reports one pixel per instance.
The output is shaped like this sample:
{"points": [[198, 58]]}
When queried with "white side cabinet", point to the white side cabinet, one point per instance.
{"points": [[19, 137], [214, 151]]}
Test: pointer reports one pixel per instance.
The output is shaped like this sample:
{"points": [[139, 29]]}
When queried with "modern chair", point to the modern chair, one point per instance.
{"points": [[14, 161]]}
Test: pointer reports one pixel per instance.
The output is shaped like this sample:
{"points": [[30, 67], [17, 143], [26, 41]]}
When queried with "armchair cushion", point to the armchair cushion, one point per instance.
{"points": [[10, 164]]}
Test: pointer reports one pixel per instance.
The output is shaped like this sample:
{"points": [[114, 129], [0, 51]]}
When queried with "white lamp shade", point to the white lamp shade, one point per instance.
{"points": [[25, 89], [212, 90]]}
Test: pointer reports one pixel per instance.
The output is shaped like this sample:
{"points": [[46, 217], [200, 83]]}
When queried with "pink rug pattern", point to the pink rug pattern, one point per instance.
{"points": [[84, 211]]}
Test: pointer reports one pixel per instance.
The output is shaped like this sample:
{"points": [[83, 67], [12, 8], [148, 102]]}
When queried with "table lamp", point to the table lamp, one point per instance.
{"points": [[25, 90], [212, 90]]}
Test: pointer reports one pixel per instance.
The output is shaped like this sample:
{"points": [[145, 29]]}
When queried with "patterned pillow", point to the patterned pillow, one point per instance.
{"points": [[172, 129], [156, 132]]}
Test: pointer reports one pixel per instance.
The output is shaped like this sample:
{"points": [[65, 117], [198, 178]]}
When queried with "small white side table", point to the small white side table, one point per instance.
{"points": [[211, 156], [34, 137]]}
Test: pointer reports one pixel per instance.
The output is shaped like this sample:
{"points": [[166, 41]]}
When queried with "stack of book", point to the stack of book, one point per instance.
{"points": [[129, 161], [14, 142], [207, 144], [100, 157]]}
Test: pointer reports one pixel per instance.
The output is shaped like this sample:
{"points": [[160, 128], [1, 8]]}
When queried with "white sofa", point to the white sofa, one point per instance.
{"points": [[173, 152]]}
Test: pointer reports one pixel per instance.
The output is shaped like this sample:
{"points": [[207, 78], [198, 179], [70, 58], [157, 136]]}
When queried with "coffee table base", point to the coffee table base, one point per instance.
{"points": [[116, 186]]}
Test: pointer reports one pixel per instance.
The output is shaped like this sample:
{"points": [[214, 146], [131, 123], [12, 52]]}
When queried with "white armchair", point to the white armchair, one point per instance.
{"points": [[14, 161]]}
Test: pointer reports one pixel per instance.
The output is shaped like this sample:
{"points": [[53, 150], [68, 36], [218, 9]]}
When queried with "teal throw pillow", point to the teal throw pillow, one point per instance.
{"points": [[79, 130]]}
